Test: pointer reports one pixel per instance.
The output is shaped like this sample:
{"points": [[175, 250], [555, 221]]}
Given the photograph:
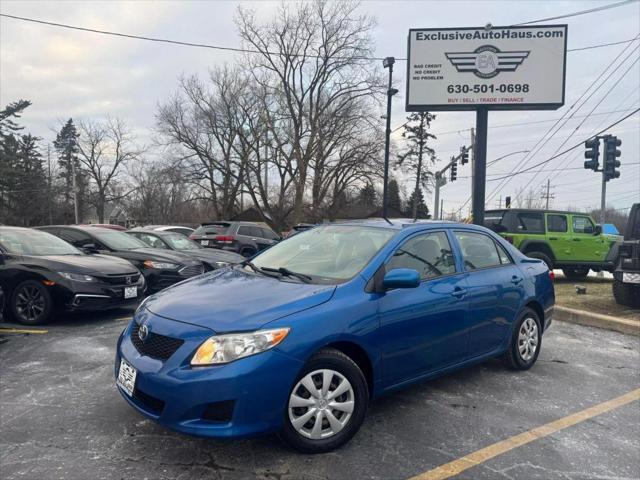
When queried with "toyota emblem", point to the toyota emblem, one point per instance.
{"points": [[143, 332], [128, 280]]}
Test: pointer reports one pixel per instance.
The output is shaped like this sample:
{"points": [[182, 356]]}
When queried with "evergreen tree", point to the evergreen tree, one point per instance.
{"points": [[66, 145], [416, 204], [368, 196], [394, 195]]}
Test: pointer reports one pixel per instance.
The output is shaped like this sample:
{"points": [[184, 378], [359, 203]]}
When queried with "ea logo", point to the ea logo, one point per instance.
{"points": [[487, 63]]}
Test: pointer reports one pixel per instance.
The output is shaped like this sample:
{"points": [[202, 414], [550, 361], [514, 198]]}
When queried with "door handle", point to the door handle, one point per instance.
{"points": [[516, 280], [458, 292]]}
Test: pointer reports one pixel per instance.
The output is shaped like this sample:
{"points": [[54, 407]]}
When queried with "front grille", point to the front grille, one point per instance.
{"points": [[191, 271], [152, 403], [155, 346], [122, 279]]}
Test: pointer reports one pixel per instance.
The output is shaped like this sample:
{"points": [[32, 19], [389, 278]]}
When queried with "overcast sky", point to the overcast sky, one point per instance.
{"points": [[83, 75]]}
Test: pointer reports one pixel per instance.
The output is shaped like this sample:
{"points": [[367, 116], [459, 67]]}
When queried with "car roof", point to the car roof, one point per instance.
{"points": [[87, 228], [161, 228], [157, 233], [400, 223], [9, 227]]}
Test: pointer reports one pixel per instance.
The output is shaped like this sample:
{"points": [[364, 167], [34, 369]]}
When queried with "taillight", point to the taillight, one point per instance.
{"points": [[552, 276], [509, 239], [224, 238]]}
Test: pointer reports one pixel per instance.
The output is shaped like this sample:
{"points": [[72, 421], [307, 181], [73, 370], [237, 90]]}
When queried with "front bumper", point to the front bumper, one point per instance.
{"points": [[243, 398], [80, 296]]}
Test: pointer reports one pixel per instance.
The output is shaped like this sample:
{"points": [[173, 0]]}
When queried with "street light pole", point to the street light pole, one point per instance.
{"points": [[387, 63]]}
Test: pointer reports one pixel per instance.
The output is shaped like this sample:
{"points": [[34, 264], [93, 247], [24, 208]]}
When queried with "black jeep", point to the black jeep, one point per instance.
{"points": [[626, 277]]}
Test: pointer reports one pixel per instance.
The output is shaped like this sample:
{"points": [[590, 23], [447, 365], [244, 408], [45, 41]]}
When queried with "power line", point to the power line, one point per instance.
{"points": [[583, 12], [239, 49]]}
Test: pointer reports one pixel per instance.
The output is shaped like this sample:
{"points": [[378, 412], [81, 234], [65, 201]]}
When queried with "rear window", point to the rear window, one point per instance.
{"points": [[211, 230], [493, 220]]}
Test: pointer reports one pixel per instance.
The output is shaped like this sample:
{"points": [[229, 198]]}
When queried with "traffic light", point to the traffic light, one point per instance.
{"points": [[611, 153], [507, 202], [593, 152], [454, 171], [464, 155]]}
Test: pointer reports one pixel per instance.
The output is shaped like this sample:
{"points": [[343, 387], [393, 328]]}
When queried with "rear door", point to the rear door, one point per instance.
{"points": [[586, 246], [558, 236], [495, 290], [253, 235]]}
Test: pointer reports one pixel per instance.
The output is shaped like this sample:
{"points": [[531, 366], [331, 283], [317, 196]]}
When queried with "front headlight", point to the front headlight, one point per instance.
{"points": [[217, 265], [227, 348], [77, 277], [168, 266]]}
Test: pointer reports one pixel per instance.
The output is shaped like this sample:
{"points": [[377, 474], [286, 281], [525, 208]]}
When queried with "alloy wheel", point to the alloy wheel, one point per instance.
{"points": [[321, 404], [30, 303], [528, 339]]}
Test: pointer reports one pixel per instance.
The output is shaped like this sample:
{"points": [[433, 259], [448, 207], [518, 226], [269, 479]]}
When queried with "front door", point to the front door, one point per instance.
{"points": [[587, 247], [423, 329], [495, 290]]}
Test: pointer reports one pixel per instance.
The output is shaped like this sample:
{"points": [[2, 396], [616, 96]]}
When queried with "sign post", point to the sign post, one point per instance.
{"points": [[482, 69]]}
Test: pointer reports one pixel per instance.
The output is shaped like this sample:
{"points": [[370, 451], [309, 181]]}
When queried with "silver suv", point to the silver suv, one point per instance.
{"points": [[245, 238]]}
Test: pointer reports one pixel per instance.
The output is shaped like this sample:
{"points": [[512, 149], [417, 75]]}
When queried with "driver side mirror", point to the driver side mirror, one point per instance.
{"points": [[401, 278], [89, 248], [597, 230]]}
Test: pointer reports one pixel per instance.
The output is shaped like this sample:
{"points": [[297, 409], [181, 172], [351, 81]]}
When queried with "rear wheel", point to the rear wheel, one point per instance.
{"points": [[626, 293], [31, 303], [248, 252], [576, 273], [541, 256], [525, 342], [327, 405]]}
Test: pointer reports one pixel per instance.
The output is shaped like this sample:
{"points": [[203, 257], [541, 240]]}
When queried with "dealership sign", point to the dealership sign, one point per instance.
{"points": [[501, 68]]}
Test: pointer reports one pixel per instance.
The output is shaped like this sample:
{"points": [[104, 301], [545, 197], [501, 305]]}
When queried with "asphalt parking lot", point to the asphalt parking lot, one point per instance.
{"points": [[62, 418]]}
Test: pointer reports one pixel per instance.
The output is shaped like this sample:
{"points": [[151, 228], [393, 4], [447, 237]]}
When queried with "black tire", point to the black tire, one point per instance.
{"points": [[626, 294], [31, 303], [248, 252], [337, 361], [512, 357], [576, 273], [541, 256]]}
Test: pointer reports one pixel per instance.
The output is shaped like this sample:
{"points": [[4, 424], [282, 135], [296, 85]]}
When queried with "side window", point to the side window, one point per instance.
{"points": [[74, 237], [530, 222], [504, 256], [266, 233], [582, 225], [478, 250], [557, 223], [429, 254], [151, 240], [249, 231]]}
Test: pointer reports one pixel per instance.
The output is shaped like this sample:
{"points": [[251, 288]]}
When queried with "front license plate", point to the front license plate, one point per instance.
{"points": [[631, 277], [204, 243], [126, 377], [130, 292]]}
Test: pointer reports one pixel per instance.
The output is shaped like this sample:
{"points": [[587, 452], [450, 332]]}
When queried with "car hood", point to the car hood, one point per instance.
{"points": [[214, 255], [86, 264], [232, 300], [157, 254]]}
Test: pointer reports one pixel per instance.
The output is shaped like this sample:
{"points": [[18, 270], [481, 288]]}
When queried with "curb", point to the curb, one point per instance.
{"points": [[581, 317]]}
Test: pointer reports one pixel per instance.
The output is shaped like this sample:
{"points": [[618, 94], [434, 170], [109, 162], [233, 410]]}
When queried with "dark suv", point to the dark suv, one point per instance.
{"points": [[626, 277], [245, 238]]}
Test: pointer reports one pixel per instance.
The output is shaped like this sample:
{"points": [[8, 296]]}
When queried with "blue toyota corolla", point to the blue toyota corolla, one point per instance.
{"points": [[301, 338]]}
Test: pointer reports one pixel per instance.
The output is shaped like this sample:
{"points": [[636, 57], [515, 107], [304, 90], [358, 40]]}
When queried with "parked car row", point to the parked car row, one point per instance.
{"points": [[82, 267]]}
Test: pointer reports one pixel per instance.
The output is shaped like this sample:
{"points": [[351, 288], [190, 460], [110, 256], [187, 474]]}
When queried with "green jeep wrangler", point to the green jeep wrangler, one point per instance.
{"points": [[567, 240]]}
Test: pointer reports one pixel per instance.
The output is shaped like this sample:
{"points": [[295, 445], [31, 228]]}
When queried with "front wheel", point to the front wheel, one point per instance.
{"points": [[31, 303], [526, 341], [327, 404]]}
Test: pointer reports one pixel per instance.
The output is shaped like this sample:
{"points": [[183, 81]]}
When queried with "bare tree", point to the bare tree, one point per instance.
{"points": [[312, 63], [104, 150]]}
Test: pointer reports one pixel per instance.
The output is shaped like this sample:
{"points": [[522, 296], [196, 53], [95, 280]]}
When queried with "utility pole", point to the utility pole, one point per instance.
{"points": [[387, 63], [441, 208], [546, 193]]}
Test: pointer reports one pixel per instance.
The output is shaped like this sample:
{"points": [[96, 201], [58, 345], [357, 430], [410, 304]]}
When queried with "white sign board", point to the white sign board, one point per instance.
{"points": [[501, 68]]}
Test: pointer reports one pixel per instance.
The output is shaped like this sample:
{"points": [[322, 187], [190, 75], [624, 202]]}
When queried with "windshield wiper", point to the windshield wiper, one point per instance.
{"points": [[288, 273], [249, 263]]}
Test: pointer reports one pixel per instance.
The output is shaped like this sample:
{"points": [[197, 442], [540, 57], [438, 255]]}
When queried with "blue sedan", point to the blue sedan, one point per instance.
{"points": [[301, 338]]}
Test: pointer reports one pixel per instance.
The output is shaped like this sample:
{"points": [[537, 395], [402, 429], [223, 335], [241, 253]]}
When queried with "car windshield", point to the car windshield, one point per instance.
{"points": [[327, 254], [118, 240], [177, 241], [35, 242]]}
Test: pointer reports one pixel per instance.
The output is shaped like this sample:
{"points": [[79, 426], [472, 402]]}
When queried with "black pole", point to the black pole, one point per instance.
{"points": [[479, 166], [390, 93]]}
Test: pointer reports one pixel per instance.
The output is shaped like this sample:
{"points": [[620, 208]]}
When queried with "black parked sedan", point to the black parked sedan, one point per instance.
{"points": [[161, 268], [212, 258], [40, 273]]}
